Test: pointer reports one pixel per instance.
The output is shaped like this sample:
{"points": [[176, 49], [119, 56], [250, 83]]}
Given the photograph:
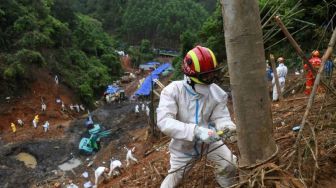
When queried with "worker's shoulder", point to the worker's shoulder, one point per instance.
{"points": [[172, 89], [218, 93], [174, 85]]}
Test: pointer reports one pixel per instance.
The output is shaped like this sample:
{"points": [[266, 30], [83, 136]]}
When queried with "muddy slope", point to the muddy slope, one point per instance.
{"points": [[51, 153]]}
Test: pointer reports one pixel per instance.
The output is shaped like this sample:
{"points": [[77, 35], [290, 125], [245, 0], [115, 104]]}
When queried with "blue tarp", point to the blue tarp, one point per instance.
{"points": [[146, 86], [111, 89], [161, 68]]}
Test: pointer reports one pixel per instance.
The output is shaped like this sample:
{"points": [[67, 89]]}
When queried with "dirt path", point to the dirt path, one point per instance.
{"points": [[126, 64]]}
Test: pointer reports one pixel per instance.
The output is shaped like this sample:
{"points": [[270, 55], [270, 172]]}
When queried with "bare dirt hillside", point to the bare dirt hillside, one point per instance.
{"points": [[28, 105]]}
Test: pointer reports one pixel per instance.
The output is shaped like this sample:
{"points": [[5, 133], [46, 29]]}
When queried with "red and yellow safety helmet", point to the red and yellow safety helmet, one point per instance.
{"points": [[200, 65]]}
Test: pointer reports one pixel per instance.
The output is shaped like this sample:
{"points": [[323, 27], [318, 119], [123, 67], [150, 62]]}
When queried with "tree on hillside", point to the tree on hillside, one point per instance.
{"points": [[212, 34], [141, 54], [161, 22], [109, 12], [188, 41], [64, 11], [245, 54], [209, 5]]}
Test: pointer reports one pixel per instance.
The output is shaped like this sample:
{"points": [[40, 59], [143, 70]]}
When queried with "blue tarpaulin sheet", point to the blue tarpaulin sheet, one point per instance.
{"points": [[146, 86], [111, 89], [161, 68]]}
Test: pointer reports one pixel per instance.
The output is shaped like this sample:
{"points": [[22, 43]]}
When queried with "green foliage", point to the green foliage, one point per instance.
{"points": [[35, 40], [109, 12], [146, 51], [86, 92], [308, 18], [40, 33], [179, 16], [90, 37], [161, 22], [209, 5], [57, 31], [25, 23], [188, 41], [308, 22], [64, 11], [19, 64], [178, 74], [53, 34], [14, 71], [112, 62], [78, 58], [212, 34], [141, 54], [9, 72], [25, 56]]}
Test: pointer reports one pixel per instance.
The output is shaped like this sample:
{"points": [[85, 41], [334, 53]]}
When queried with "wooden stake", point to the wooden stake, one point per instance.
{"points": [[275, 74], [292, 41]]}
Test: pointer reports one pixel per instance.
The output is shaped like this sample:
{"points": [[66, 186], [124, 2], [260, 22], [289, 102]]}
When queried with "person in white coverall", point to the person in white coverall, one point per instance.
{"points": [[186, 110], [281, 70], [129, 156], [100, 171], [115, 167], [136, 109]]}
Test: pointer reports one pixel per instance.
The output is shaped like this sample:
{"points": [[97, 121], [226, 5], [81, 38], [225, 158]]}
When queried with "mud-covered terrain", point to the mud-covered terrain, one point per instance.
{"points": [[50, 153]]}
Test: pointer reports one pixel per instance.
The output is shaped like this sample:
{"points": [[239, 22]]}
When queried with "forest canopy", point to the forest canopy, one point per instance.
{"points": [[78, 39]]}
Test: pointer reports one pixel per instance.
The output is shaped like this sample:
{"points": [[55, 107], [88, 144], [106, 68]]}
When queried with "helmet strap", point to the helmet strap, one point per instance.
{"points": [[191, 83]]}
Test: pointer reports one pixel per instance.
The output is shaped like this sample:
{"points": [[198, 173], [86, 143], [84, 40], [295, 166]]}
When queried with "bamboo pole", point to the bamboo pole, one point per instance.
{"points": [[285, 38], [276, 78], [292, 41]]}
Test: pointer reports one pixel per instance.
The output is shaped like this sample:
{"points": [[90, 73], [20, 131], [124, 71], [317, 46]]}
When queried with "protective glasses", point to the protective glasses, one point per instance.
{"points": [[210, 77]]}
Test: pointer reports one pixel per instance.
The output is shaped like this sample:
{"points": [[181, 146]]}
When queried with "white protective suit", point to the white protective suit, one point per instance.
{"points": [[282, 73], [147, 110], [136, 109], [45, 126], [99, 172], [129, 156], [115, 164], [180, 110]]}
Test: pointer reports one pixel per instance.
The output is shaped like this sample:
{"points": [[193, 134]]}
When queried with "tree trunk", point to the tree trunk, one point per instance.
{"points": [[247, 68]]}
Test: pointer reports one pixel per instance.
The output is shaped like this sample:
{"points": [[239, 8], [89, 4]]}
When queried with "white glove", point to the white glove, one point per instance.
{"points": [[206, 135], [226, 127]]}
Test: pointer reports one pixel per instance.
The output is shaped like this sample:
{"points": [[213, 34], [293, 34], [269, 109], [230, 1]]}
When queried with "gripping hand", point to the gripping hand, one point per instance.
{"points": [[206, 135]]}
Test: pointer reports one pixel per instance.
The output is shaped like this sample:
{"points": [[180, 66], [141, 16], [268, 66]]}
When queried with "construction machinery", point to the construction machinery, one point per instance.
{"points": [[91, 142]]}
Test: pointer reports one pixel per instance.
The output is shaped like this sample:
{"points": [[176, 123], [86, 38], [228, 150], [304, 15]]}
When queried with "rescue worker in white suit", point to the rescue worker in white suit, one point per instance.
{"points": [[281, 70], [186, 110]]}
